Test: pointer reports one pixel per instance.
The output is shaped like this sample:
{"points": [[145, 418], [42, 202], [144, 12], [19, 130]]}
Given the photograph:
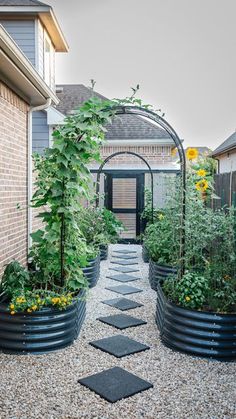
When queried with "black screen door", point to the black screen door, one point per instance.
{"points": [[124, 195]]}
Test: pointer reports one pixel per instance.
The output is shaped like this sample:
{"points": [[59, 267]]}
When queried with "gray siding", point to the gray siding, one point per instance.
{"points": [[23, 33], [40, 132]]}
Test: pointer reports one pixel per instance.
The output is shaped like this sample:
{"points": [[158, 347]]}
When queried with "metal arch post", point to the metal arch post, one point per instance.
{"points": [[117, 154], [149, 114]]}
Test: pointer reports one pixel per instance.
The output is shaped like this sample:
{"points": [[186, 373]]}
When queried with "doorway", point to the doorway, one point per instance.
{"points": [[124, 195]]}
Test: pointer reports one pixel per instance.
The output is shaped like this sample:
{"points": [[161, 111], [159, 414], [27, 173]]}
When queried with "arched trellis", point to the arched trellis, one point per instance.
{"points": [[118, 153], [159, 120]]}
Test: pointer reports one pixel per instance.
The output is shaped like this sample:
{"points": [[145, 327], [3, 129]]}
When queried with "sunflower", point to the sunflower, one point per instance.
{"points": [[192, 153], [202, 185], [201, 172], [173, 152]]}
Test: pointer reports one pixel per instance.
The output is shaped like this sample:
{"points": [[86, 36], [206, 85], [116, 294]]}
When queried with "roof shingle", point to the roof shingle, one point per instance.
{"points": [[21, 3], [229, 143], [124, 127]]}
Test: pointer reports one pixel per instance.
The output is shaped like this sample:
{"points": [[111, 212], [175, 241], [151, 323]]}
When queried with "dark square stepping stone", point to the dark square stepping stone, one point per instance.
{"points": [[121, 321], [122, 304], [119, 345], [115, 384], [125, 252], [124, 289], [125, 257], [123, 278], [125, 262], [124, 269]]}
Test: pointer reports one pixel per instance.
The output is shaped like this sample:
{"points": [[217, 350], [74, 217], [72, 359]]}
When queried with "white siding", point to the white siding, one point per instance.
{"points": [[227, 162], [40, 49]]}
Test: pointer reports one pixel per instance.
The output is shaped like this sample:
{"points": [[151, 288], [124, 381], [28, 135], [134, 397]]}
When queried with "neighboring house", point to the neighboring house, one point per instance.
{"points": [[34, 27], [226, 155], [29, 37], [126, 176], [21, 90]]}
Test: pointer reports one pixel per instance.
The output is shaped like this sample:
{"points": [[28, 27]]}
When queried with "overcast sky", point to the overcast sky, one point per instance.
{"points": [[181, 52]]}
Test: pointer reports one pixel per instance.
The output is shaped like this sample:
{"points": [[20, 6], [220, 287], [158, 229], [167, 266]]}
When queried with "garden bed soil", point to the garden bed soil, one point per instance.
{"points": [[199, 333], [41, 331]]}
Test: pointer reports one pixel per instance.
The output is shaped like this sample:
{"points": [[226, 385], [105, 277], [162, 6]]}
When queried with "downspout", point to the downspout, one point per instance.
{"points": [[30, 177]]}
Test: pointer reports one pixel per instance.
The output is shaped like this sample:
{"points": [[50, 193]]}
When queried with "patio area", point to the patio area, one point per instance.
{"points": [[46, 386]]}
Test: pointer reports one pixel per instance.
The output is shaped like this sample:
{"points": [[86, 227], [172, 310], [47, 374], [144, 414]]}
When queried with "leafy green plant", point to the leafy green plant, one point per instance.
{"points": [[190, 291], [15, 278]]}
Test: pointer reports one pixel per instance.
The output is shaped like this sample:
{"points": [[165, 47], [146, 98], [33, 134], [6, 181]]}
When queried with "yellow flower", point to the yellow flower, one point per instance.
{"points": [[187, 298], [29, 310], [34, 308], [173, 152], [201, 172], [202, 185], [38, 301], [160, 216], [12, 312], [192, 153], [12, 306]]}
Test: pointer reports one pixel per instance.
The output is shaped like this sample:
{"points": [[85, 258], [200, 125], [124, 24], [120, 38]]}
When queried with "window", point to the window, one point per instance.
{"points": [[49, 66]]}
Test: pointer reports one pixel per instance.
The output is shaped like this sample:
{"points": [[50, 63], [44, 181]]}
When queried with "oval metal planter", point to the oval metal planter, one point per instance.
{"points": [[92, 271], [203, 334], [41, 331], [103, 251], [145, 254], [158, 273]]}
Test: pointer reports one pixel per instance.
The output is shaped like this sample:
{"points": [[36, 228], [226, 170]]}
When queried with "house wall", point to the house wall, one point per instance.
{"points": [[40, 132], [227, 162], [13, 175], [23, 33], [154, 154]]}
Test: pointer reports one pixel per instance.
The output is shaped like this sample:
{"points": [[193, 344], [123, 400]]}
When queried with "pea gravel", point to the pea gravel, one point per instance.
{"points": [[46, 386]]}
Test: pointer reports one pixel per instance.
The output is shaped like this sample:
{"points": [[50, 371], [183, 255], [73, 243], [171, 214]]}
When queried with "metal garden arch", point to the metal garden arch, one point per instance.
{"points": [[153, 116]]}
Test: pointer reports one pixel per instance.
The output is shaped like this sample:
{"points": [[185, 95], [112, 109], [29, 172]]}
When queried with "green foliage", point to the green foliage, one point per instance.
{"points": [[190, 291], [15, 278], [98, 226]]}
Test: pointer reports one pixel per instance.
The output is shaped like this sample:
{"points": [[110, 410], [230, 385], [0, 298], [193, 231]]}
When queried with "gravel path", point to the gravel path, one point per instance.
{"points": [[46, 386]]}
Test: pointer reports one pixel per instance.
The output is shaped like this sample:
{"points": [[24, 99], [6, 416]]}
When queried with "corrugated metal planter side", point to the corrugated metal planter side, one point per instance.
{"points": [[92, 271], [103, 251], [158, 273], [42, 331], [203, 334], [145, 254]]}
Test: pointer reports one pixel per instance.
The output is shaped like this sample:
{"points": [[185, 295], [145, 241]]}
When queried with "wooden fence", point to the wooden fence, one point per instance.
{"points": [[225, 189]]}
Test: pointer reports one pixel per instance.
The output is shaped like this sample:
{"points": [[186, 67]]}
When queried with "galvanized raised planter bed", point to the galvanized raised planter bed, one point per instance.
{"points": [[203, 334], [92, 271], [103, 251], [145, 254], [159, 273], [41, 331]]}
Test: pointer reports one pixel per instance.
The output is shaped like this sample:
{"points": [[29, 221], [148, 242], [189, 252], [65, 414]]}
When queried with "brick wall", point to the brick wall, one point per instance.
{"points": [[152, 153], [13, 177]]}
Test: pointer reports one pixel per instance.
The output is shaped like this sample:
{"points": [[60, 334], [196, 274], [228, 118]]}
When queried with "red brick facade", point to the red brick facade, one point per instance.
{"points": [[13, 177]]}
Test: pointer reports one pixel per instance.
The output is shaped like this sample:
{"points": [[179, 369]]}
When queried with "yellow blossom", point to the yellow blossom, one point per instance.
{"points": [[187, 298], [192, 153], [202, 185], [38, 301], [201, 172], [34, 308], [29, 310], [12, 306], [12, 312], [161, 216]]}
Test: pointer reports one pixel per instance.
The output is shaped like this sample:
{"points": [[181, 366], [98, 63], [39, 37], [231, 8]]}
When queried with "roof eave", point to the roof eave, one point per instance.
{"points": [[48, 18], [19, 72], [224, 150]]}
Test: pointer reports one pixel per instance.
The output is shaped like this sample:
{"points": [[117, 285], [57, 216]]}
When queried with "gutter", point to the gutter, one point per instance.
{"points": [[30, 173]]}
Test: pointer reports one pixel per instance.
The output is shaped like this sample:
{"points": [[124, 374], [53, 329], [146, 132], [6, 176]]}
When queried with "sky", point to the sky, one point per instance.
{"points": [[181, 52]]}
